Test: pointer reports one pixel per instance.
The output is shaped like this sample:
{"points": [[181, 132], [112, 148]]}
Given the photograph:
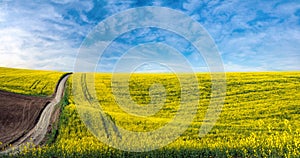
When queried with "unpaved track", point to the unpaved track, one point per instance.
{"points": [[107, 124], [37, 134]]}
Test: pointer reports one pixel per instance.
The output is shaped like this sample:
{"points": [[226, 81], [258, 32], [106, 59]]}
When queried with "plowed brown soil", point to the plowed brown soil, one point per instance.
{"points": [[18, 115]]}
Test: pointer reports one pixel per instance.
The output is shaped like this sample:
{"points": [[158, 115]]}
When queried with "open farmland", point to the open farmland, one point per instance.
{"points": [[18, 112], [29, 82], [260, 118]]}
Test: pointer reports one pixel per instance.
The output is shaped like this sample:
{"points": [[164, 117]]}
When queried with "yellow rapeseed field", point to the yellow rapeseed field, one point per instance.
{"points": [[29, 82], [260, 118]]}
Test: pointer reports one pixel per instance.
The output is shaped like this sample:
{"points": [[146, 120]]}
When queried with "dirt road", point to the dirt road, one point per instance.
{"points": [[36, 135]]}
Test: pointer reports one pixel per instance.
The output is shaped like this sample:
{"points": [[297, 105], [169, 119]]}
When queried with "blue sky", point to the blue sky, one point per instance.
{"points": [[250, 35]]}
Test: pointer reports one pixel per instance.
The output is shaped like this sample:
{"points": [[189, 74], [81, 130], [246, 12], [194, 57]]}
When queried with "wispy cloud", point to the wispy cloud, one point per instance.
{"points": [[37, 35], [255, 35], [250, 35]]}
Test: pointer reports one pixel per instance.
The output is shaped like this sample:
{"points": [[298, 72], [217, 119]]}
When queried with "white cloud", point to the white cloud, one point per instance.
{"points": [[115, 6], [157, 3], [61, 1], [36, 35], [46, 36], [18, 49]]}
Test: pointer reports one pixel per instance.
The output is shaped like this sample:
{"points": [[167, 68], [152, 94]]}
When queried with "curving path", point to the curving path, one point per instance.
{"points": [[37, 134]]}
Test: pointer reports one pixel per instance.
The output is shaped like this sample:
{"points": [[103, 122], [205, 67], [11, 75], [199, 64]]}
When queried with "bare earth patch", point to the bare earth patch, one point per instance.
{"points": [[18, 115]]}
